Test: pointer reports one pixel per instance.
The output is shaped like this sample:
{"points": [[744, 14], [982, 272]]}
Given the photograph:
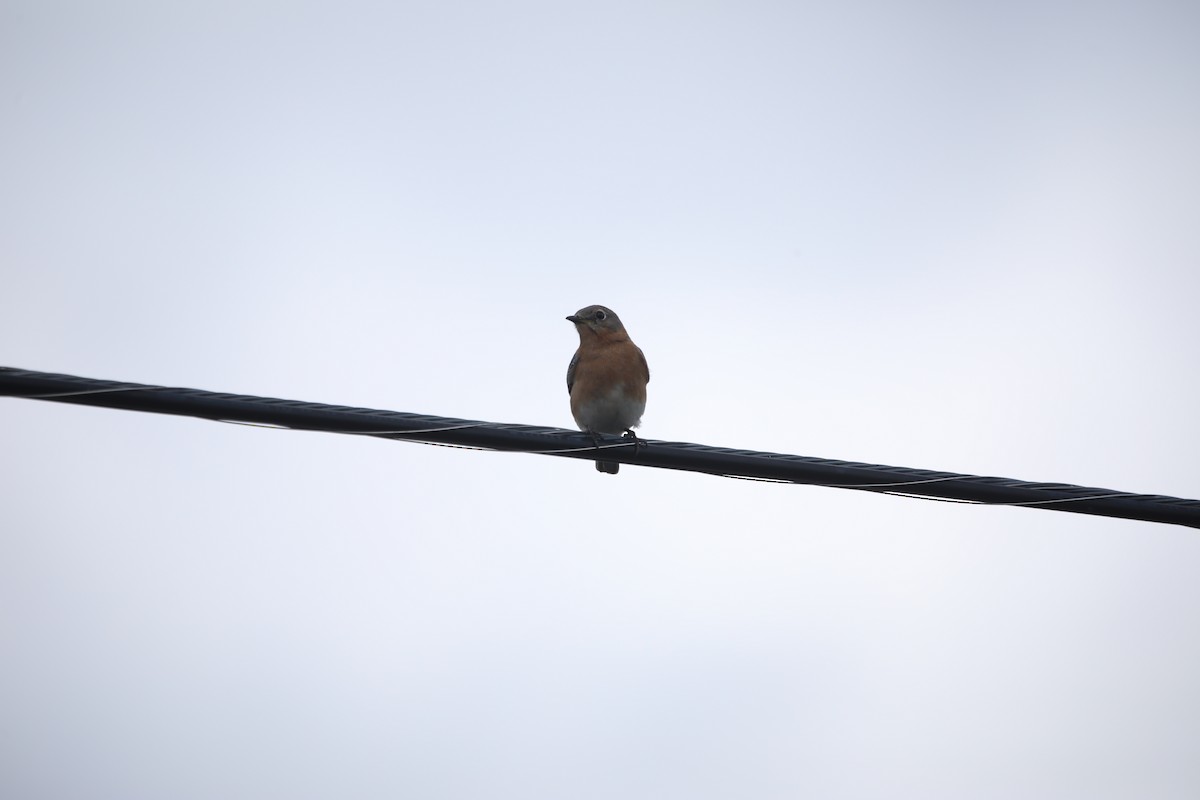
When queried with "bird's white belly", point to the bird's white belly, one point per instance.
{"points": [[612, 412]]}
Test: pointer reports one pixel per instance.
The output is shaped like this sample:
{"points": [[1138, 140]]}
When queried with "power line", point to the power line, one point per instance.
{"points": [[723, 461]]}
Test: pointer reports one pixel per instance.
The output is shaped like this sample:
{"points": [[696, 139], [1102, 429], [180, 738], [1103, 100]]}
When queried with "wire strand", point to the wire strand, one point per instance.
{"points": [[267, 412]]}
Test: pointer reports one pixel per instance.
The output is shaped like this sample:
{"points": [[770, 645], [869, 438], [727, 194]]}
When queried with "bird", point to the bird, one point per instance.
{"points": [[607, 378]]}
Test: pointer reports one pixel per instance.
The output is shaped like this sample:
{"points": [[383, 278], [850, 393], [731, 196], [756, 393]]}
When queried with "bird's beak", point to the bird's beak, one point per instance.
{"points": [[573, 318]]}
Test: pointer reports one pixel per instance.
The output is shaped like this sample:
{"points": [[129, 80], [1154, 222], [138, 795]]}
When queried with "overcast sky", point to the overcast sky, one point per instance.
{"points": [[939, 235]]}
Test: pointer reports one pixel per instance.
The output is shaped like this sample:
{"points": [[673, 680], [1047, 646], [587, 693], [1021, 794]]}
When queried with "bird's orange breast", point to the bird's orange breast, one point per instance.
{"points": [[609, 391]]}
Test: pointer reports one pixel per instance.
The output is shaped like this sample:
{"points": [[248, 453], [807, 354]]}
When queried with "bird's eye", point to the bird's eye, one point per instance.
{"points": [[600, 315]]}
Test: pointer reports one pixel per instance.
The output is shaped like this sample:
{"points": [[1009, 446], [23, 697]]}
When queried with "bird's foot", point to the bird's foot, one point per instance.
{"points": [[638, 444]]}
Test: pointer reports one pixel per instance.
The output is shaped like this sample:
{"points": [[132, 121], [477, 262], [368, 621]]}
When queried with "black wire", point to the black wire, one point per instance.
{"points": [[723, 461]]}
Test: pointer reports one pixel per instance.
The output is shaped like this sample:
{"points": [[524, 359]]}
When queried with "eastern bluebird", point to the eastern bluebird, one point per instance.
{"points": [[607, 377]]}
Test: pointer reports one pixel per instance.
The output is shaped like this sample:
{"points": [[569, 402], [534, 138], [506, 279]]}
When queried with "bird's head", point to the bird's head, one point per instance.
{"points": [[599, 320]]}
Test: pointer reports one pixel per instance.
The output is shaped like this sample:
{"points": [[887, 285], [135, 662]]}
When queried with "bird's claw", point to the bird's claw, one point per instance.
{"points": [[638, 444]]}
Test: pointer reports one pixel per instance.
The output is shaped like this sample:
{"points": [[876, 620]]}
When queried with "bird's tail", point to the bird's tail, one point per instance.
{"points": [[610, 467]]}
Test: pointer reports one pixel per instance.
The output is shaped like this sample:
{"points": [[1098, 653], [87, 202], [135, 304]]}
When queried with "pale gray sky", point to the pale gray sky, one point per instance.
{"points": [[937, 235]]}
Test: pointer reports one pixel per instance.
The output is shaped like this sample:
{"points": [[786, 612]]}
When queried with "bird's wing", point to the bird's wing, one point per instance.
{"points": [[571, 371], [645, 366]]}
